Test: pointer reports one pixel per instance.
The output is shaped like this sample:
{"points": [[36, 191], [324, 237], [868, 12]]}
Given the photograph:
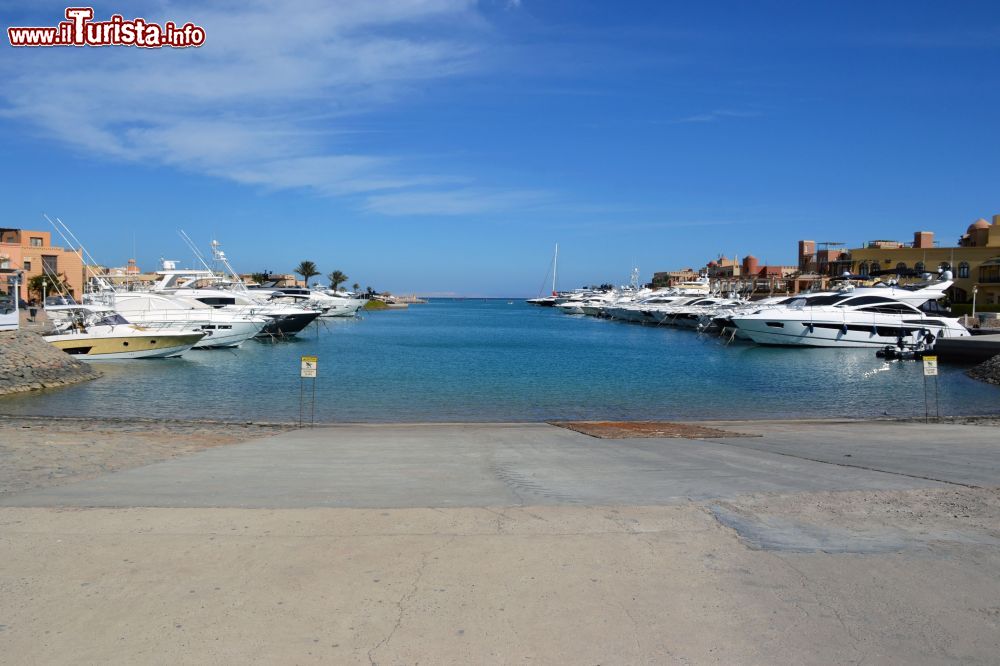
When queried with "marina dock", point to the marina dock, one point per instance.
{"points": [[974, 349]]}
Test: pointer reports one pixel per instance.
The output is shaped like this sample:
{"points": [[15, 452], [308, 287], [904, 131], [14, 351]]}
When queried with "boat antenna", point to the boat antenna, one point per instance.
{"points": [[194, 249], [220, 257]]}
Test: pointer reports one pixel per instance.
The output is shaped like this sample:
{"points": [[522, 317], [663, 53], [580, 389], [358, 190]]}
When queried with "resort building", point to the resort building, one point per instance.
{"points": [[826, 258], [673, 278], [32, 252], [974, 261]]}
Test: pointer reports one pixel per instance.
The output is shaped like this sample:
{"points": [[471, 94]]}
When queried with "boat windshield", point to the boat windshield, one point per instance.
{"points": [[832, 299], [112, 319]]}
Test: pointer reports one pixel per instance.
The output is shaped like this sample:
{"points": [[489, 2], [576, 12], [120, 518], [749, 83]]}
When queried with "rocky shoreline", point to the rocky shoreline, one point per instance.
{"points": [[29, 363], [988, 371]]}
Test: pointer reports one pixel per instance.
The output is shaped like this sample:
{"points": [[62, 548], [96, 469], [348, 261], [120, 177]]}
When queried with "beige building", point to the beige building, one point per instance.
{"points": [[975, 260], [33, 253]]}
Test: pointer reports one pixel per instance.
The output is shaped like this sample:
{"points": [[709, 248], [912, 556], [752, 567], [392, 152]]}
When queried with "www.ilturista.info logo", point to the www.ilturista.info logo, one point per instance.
{"points": [[80, 30]]}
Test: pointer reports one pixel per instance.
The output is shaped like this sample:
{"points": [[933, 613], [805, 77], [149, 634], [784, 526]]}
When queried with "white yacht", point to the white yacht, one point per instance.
{"points": [[222, 328], [649, 310], [690, 314], [207, 288], [94, 332], [848, 320], [330, 303], [574, 303]]}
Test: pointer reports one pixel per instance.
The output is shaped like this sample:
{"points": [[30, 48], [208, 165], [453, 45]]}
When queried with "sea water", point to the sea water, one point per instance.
{"points": [[499, 360]]}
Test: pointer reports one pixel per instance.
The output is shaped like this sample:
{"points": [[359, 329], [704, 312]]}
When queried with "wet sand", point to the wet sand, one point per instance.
{"points": [[38, 452]]}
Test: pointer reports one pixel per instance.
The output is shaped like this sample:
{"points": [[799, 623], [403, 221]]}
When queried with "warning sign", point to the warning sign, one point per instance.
{"points": [[309, 364], [930, 366]]}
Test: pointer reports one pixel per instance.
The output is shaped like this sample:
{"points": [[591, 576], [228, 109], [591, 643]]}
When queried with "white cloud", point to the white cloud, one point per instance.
{"points": [[267, 101], [717, 115], [461, 201]]}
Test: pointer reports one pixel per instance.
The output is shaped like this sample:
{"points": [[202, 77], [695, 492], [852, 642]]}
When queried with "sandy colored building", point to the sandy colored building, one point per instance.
{"points": [[974, 261], [673, 278], [33, 253]]}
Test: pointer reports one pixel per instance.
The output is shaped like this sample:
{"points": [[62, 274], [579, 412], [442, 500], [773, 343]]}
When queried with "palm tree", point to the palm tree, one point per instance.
{"points": [[307, 270], [336, 279], [53, 284], [355, 287]]}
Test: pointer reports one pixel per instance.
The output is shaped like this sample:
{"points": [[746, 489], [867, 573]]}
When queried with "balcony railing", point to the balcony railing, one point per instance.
{"points": [[892, 245]]}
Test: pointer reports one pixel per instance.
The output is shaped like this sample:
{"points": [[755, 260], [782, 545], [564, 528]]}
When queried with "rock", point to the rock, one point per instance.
{"points": [[28, 362], [987, 371]]}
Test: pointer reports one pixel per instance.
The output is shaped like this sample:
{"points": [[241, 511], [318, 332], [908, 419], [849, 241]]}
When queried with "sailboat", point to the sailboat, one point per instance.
{"points": [[549, 301]]}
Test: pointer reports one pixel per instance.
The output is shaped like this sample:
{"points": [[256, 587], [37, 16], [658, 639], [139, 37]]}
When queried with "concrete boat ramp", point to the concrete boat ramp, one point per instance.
{"points": [[470, 465], [797, 542], [973, 349]]}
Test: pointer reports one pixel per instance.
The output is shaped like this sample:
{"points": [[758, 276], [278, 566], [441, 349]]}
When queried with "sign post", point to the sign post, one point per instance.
{"points": [[931, 370], [308, 370]]}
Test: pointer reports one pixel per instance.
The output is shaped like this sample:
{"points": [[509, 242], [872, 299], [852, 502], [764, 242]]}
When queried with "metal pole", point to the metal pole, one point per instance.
{"points": [[301, 389], [312, 414], [927, 409], [937, 401]]}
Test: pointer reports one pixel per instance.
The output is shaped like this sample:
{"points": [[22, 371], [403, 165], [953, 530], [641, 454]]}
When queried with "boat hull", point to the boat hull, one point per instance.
{"points": [[792, 333], [113, 348], [228, 335], [349, 309], [287, 325]]}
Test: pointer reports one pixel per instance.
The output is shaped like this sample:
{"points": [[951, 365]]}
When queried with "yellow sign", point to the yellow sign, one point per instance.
{"points": [[930, 366], [309, 364]]}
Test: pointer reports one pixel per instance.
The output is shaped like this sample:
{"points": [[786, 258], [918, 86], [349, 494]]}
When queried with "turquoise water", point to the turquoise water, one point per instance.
{"points": [[494, 361]]}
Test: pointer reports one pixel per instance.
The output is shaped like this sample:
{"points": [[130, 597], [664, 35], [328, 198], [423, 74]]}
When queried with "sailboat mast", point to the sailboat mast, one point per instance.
{"points": [[555, 267]]}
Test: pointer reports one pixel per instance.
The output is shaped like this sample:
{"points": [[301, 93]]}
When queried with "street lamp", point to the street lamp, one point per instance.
{"points": [[975, 289], [45, 284]]}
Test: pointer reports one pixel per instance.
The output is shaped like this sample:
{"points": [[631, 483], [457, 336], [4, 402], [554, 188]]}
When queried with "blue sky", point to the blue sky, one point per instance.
{"points": [[446, 145]]}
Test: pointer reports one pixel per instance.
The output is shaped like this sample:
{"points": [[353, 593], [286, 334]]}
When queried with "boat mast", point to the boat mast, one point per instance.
{"points": [[555, 267]]}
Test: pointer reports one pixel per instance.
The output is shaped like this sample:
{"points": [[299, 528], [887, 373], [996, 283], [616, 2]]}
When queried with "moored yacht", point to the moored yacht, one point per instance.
{"points": [[847, 320], [205, 287], [94, 332], [222, 328]]}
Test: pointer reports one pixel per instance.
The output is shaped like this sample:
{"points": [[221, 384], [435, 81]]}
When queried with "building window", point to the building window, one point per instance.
{"points": [[963, 269], [863, 268], [901, 266], [50, 264], [36, 242], [27, 264], [876, 267], [919, 267]]}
